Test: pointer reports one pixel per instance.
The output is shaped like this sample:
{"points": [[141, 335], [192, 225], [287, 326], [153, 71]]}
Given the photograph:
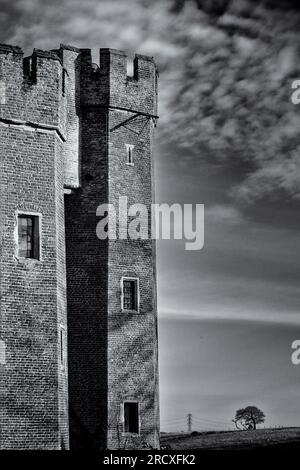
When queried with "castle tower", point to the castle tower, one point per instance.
{"points": [[78, 338]]}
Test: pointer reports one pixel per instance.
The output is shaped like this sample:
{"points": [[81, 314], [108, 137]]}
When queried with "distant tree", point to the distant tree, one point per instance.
{"points": [[248, 418]]}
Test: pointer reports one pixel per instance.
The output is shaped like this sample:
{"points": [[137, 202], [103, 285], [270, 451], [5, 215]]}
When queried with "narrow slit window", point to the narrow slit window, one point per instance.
{"points": [[62, 347], [131, 417], [129, 150], [28, 236], [29, 68], [130, 294], [64, 77]]}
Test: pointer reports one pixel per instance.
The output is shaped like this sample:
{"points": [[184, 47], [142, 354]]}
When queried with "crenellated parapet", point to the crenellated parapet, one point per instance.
{"points": [[50, 90], [32, 88], [109, 84], [36, 87]]}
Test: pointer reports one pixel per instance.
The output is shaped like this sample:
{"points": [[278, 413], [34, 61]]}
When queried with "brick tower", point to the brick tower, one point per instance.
{"points": [[78, 337]]}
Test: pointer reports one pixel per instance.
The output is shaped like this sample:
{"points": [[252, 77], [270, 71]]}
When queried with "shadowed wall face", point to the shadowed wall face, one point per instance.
{"points": [[87, 292]]}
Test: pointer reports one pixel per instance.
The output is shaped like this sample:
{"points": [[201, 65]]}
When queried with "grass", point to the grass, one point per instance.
{"points": [[233, 440]]}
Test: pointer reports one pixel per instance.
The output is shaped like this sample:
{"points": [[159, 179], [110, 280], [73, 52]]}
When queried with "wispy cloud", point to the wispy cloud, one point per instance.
{"points": [[237, 300], [223, 214], [229, 313], [271, 179]]}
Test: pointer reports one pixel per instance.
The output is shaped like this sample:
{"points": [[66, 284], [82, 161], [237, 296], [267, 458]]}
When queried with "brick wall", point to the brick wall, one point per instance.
{"points": [[132, 337], [33, 295], [70, 58]]}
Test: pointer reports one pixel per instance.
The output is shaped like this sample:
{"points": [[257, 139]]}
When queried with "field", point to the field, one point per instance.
{"points": [[234, 440]]}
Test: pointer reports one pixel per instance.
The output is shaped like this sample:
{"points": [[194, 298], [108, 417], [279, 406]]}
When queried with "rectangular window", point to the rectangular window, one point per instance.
{"points": [[131, 417], [129, 150], [62, 347], [64, 77], [130, 294], [28, 236]]}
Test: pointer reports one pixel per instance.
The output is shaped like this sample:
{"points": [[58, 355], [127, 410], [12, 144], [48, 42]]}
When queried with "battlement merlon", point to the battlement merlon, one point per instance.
{"points": [[31, 89], [44, 65], [110, 86]]}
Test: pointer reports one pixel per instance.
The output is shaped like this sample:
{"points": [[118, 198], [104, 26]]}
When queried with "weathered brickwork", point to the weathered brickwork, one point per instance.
{"points": [[64, 127]]}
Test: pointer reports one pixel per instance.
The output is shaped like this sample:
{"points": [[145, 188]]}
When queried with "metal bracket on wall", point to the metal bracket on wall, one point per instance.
{"points": [[145, 117]]}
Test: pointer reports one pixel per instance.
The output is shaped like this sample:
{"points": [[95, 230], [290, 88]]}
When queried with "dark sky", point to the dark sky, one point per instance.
{"points": [[228, 138]]}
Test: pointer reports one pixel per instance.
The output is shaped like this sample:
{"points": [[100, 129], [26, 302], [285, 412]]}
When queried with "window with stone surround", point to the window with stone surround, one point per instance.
{"points": [[62, 341], [131, 417], [129, 152], [130, 294], [64, 80], [28, 236]]}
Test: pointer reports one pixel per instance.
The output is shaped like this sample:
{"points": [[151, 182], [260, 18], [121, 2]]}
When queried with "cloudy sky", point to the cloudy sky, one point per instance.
{"points": [[228, 137]]}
